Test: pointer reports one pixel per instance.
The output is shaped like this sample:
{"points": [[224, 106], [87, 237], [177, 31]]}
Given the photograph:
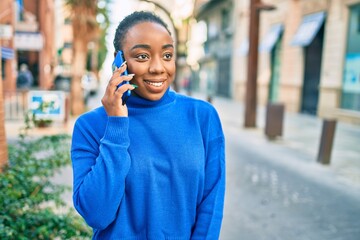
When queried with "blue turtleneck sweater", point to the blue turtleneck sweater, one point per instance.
{"points": [[157, 174]]}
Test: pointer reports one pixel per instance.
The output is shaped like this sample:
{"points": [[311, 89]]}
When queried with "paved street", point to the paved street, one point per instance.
{"points": [[275, 189]]}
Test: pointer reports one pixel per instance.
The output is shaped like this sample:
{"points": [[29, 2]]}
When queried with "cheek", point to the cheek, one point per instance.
{"points": [[141, 69], [137, 69], [171, 68]]}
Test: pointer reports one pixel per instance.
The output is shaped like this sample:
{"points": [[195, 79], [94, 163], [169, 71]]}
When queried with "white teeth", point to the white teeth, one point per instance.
{"points": [[155, 84]]}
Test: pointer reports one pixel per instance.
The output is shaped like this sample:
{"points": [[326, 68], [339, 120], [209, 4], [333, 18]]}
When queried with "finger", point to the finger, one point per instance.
{"points": [[117, 80], [124, 79], [118, 71], [124, 88], [122, 68]]}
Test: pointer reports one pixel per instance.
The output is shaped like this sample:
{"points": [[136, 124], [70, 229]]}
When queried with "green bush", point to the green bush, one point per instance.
{"points": [[31, 203]]}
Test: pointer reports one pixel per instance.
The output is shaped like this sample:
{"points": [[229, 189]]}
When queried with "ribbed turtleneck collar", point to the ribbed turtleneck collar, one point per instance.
{"points": [[136, 101]]}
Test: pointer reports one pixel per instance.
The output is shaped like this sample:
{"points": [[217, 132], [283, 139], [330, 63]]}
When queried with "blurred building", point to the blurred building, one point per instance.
{"points": [[309, 54], [8, 63], [63, 39], [34, 39], [215, 75], [31, 41]]}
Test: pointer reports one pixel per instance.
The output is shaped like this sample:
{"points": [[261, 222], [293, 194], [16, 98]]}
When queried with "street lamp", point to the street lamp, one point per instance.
{"points": [[251, 85]]}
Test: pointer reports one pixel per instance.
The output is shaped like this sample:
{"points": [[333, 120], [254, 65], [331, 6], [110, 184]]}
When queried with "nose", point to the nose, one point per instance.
{"points": [[156, 65]]}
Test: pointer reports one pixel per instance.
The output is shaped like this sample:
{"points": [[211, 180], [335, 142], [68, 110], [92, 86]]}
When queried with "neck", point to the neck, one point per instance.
{"points": [[135, 101]]}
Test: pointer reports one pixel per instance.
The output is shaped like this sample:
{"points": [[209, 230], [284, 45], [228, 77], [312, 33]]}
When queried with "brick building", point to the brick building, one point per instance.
{"points": [[32, 41], [8, 68]]}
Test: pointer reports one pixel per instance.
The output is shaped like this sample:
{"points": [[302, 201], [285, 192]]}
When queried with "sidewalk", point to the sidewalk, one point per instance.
{"points": [[301, 135], [13, 129]]}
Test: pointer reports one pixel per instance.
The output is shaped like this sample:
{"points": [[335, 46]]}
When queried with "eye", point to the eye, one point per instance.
{"points": [[168, 56], [142, 57]]}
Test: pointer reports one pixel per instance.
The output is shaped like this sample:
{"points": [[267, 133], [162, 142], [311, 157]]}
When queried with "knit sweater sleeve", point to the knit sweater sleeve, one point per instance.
{"points": [[100, 169], [210, 209]]}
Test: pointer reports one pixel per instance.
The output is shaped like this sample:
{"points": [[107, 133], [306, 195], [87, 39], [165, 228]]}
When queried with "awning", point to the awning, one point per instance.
{"points": [[7, 53], [31, 41], [270, 39], [308, 29], [267, 44]]}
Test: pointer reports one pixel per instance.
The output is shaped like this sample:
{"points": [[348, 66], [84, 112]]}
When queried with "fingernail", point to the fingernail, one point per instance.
{"points": [[123, 64], [134, 85], [131, 75]]}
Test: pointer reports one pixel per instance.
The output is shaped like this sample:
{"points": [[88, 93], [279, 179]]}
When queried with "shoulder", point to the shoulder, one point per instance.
{"points": [[92, 118], [205, 114], [192, 101], [89, 127], [195, 104], [198, 110]]}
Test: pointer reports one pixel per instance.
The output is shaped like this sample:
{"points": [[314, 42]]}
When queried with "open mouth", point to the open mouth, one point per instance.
{"points": [[154, 84]]}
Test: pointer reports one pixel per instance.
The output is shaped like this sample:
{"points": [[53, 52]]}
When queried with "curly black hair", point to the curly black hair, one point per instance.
{"points": [[130, 21]]}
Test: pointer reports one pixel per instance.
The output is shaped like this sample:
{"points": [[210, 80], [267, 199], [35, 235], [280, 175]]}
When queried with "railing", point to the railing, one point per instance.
{"points": [[15, 104]]}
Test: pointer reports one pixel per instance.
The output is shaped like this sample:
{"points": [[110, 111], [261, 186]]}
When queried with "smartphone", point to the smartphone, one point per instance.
{"points": [[119, 59]]}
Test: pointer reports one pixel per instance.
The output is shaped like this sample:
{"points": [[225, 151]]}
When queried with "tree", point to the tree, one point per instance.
{"points": [[3, 143], [98, 50], [85, 29], [6, 10]]}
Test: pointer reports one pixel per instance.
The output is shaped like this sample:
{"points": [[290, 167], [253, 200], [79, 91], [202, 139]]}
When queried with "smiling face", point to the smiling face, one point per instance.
{"points": [[150, 55]]}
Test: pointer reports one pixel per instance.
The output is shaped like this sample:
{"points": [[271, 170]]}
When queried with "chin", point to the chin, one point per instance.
{"points": [[155, 97], [152, 96]]}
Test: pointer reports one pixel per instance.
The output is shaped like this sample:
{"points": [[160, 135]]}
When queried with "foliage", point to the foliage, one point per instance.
{"points": [[32, 205], [85, 21], [42, 122], [83, 16], [32, 121], [101, 38]]}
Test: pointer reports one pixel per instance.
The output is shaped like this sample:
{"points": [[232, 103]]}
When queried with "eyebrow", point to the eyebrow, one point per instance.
{"points": [[149, 47], [168, 46]]}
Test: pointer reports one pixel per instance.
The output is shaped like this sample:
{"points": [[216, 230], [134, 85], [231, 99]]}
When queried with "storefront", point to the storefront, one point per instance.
{"points": [[28, 46], [272, 44], [350, 98], [310, 36]]}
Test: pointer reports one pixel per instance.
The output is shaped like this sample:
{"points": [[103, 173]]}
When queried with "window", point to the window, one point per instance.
{"points": [[358, 19], [3, 69], [67, 45], [225, 19], [212, 30], [350, 98]]}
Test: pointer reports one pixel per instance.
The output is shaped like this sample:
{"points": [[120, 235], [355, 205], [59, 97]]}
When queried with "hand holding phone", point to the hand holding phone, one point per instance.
{"points": [[118, 61]]}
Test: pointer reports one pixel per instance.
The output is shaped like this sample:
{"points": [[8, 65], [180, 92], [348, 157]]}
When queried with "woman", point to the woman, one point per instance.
{"points": [[153, 168]]}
